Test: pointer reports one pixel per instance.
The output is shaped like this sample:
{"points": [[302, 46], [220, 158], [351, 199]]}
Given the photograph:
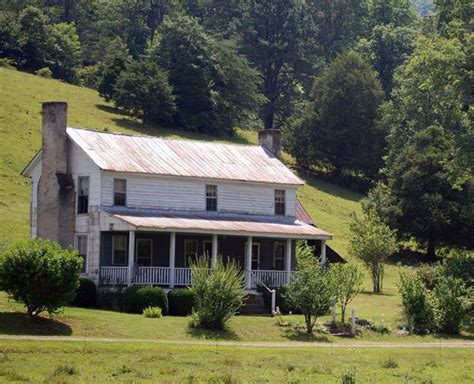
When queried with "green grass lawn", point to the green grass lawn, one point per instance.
{"points": [[59, 362]]}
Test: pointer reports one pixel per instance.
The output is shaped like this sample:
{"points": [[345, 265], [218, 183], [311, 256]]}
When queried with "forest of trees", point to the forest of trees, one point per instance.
{"points": [[374, 91]]}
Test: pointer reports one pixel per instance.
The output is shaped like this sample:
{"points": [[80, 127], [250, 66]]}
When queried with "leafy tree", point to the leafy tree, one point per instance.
{"points": [[348, 283], [219, 292], [214, 87], [143, 90], [372, 242], [423, 203], [115, 61], [11, 38], [341, 123], [311, 289], [40, 274], [399, 13]]}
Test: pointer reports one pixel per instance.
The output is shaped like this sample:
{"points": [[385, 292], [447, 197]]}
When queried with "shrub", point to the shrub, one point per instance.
{"points": [[310, 289], [136, 299], [460, 264], [44, 72], [86, 294], [348, 377], [348, 282], [7, 63], [453, 304], [418, 305], [152, 312], [219, 292], [181, 301], [40, 274], [428, 274]]}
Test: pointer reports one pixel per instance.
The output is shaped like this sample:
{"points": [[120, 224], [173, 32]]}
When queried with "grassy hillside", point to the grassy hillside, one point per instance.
{"points": [[20, 126]]}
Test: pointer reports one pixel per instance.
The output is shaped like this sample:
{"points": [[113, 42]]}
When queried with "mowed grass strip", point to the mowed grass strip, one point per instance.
{"points": [[56, 362]]}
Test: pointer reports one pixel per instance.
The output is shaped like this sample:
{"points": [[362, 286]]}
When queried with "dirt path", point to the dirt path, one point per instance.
{"points": [[355, 344]]}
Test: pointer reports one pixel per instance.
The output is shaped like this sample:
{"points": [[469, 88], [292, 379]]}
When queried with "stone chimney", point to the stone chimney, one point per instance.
{"points": [[271, 140], [56, 198]]}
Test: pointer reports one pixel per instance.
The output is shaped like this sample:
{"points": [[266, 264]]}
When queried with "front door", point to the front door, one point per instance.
{"points": [[255, 255]]}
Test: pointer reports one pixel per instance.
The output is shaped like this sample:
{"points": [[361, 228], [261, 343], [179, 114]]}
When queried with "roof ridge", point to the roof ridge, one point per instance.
{"points": [[145, 136]]}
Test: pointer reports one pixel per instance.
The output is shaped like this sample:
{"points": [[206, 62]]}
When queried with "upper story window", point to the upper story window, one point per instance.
{"points": [[81, 246], [211, 197], [280, 208], [120, 192], [83, 194]]}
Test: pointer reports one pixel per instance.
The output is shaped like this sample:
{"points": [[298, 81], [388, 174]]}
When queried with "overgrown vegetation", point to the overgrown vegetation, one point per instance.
{"points": [[219, 292], [40, 274]]}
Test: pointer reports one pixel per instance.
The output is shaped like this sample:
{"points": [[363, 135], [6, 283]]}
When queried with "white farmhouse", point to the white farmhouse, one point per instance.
{"points": [[139, 208]]}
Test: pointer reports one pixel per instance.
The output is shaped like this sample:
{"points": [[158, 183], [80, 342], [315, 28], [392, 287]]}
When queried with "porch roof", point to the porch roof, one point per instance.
{"points": [[229, 224]]}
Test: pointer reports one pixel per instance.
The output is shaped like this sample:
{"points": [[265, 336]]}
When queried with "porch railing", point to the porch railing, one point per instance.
{"points": [[271, 278], [182, 276], [114, 275], [152, 275]]}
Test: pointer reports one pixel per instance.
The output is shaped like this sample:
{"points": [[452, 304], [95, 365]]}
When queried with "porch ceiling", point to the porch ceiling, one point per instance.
{"points": [[220, 224]]}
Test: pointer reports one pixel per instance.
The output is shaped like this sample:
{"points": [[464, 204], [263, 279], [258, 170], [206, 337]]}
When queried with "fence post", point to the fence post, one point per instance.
{"points": [[273, 301], [334, 310], [353, 322]]}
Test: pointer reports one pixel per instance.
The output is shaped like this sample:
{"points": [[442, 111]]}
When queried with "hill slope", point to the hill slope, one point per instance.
{"points": [[20, 126]]}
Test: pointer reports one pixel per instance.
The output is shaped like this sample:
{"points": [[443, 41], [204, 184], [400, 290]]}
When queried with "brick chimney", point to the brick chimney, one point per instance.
{"points": [[55, 211], [271, 140]]}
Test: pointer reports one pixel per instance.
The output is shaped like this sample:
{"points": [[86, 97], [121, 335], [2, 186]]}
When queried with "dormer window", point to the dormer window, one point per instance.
{"points": [[120, 192], [211, 198], [83, 195], [280, 208]]}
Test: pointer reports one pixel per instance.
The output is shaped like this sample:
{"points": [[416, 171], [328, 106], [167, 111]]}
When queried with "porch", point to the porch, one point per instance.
{"points": [[162, 258]]}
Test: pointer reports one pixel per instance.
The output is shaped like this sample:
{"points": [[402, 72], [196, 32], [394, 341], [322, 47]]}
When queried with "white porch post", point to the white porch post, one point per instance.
{"points": [[131, 256], [172, 257], [248, 263], [214, 251], [323, 252], [288, 260]]}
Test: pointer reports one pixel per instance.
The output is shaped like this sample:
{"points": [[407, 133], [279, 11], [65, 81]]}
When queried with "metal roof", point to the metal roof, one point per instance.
{"points": [[218, 223], [160, 156]]}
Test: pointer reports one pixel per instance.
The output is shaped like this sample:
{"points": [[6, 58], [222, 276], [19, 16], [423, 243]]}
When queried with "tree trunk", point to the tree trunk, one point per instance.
{"points": [[431, 251], [343, 314], [269, 117], [309, 325]]}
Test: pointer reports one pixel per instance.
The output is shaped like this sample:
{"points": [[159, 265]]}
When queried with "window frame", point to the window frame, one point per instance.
{"points": [[186, 241], [115, 179], [76, 246], [114, 236], [257, 244], [279, 201], [275, 245], [211, 197], [148, 240], [79, 195]]}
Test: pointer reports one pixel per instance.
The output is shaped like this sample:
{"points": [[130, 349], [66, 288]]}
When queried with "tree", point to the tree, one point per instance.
{"points": [[310, 289], [372, 242], [214, 87], [341, 122], [423, 204], [115, 61], [348, 283], [40, 274], [143, 90], [219, 292]]}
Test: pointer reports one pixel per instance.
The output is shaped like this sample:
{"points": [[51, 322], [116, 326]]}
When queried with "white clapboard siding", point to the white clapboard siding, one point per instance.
{"points": [[157, 192]]}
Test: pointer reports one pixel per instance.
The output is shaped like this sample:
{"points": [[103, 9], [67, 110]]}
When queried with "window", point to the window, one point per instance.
{"points": [[119, 250], [190, 251], [120, 192], [83, 194], [144, 252], [279, 202], [81, 246], [211, 197], [279, 256]]}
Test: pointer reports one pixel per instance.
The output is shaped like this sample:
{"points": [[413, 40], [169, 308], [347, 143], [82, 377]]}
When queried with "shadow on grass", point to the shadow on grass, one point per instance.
{"points": [[381, 294], [226, 334], [297, 335], [15, 323]]}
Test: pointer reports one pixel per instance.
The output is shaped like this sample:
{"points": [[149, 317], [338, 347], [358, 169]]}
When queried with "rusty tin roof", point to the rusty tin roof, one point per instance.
{"points": [[160, 156]]}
